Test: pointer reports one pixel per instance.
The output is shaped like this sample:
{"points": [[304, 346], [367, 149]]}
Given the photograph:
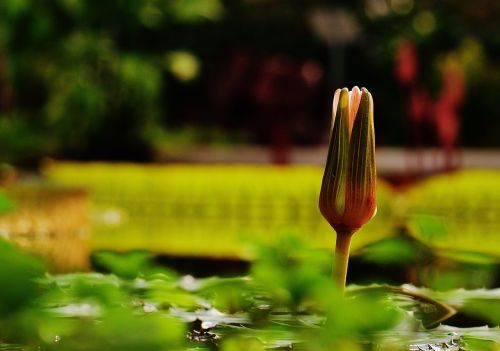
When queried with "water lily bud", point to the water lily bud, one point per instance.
{"points": [[347, 199]]}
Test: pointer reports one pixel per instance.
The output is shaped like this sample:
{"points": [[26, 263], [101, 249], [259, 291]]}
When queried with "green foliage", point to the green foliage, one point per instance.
{"points": [[19, 141], [124, 330], [488, 308], [292, 275], [6, 204], [427, 310], [358, 317], [78, 311], [85, 77], [99, 89], [288, 297], [289, 285], [288, 300], [474, 343], [242, 343], [17, 278], [67, 72], [396, 250], [229, 295], [128, 265], [194, 10]]}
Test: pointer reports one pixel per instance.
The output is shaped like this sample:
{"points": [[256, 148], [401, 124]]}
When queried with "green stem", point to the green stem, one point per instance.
{"points": [[342, 247]]}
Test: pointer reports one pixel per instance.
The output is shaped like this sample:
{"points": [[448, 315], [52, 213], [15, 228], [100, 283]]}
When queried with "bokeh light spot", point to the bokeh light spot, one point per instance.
{"points": [[402, 7], [183, 65], [424, 22], [376, 8]]}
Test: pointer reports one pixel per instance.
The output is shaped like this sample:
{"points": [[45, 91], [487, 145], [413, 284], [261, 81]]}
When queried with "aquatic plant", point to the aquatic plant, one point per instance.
{"points": [[347, 198]]}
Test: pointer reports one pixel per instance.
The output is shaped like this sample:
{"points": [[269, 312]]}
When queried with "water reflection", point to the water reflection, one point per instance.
{"points": [[11, 347]]}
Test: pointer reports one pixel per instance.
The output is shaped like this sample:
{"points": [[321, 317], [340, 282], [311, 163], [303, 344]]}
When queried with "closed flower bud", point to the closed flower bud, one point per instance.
{"points": [[347, 199]]}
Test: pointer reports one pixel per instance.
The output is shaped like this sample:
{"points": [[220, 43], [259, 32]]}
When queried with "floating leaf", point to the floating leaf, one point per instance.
{"points": [[425, 308]]}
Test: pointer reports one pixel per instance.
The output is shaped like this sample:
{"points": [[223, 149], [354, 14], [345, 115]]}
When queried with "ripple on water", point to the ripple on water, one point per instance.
{"points": [[423, 341], [11, 347]]}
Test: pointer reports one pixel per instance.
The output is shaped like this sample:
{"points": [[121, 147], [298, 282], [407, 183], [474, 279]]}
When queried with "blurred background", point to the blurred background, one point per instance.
{"points": [[209, 120], [131, 80]]}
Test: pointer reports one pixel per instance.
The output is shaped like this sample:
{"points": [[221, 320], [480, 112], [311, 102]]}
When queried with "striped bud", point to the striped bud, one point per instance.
{"points": [[347, 199]]}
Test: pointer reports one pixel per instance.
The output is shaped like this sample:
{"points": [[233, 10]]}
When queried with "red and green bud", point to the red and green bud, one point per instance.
{"points": [[347, 199]]}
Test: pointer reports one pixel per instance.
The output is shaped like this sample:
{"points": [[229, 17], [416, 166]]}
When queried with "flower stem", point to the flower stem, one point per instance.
{"points": [[342, 247]]}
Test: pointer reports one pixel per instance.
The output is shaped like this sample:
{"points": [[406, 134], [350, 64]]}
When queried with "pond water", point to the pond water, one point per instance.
{"points": [[436, 340]]}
